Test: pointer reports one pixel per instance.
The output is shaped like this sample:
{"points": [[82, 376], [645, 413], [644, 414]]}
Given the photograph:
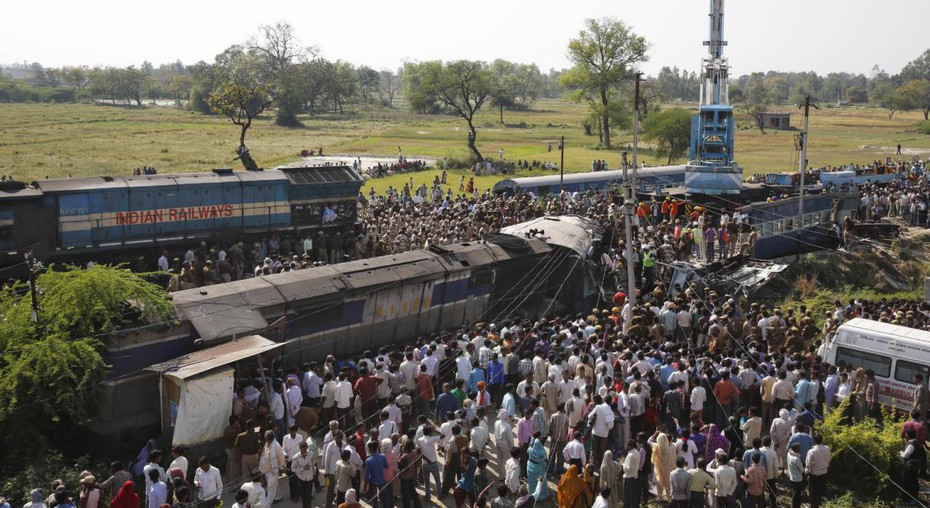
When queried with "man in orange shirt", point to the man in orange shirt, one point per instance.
{"points": [[728, 395]]}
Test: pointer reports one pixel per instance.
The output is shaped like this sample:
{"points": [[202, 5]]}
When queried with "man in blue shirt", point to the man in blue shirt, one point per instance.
{"points": [[375, 466], [446, 402], [509, 403], [803, 439], [802, 392], [495, 377], [476, 374]]}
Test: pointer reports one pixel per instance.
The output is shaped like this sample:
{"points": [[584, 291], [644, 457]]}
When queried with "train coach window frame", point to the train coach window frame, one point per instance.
{"points": [[909, 368], [858, 358]]}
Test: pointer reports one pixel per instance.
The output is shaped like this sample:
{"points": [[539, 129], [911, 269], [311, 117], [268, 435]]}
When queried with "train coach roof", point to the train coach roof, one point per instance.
{"points": [[591, 176], [569, 231], [109, 182], [223, 310]]}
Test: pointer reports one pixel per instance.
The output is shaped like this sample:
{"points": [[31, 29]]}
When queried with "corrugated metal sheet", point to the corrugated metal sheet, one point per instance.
{"points": [[307, 175], [213, 357], [569, 231], [224, 310]]}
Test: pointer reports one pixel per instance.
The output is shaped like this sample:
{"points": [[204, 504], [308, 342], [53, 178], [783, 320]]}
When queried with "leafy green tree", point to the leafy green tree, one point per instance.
{"points": [[890, 98], [244, 92], [277, 50], [604, 56], [503, 85], [462, 86], [755, 99], [48, 370], [918, 92], [388, 84], [368, 83], [857, 95], [342, 85], [671, 132]]}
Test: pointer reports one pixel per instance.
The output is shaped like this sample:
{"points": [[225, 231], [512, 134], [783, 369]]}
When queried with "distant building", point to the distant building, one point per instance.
{"points": [[776, 120]]}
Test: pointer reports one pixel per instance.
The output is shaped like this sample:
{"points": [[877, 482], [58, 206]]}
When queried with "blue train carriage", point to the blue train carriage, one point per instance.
{"points": [[651, 179], [780, 233], [856, 177], [322, 196]]}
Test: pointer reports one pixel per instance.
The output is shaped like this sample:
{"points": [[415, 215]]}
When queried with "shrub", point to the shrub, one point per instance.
{"points": [[864, 454], [924, 127], [40, 472]]}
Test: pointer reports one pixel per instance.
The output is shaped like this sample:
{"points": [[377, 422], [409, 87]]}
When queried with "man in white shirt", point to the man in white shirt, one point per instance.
{"points": [[303, 467], [503, 440], [332, 452], [725, 478], [573, 453], [291, 446], [294, 400], [601, 420], [272, 464], [154, 458], [313, 385], [180, 461], [343, 397], [255, 491], [632, 490], [163, 263], [427, 446], [409, 370], [208, 483]]}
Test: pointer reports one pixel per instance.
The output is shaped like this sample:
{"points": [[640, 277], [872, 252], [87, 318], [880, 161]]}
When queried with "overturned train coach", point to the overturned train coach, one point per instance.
{"points": [[528, 270]]}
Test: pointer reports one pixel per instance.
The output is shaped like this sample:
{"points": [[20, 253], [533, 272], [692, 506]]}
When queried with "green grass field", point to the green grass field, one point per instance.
{"points": [[39, 140]]}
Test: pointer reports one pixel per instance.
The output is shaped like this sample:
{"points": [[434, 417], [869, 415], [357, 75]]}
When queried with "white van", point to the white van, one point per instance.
{"points": [[895, 353]]}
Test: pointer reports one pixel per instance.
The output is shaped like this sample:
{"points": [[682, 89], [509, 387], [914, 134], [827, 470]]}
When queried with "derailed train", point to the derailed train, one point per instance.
{"points": [[528, 270]]}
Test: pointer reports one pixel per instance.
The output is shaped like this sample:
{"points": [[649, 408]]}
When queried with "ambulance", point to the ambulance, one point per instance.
{"points": [[895, 353]]}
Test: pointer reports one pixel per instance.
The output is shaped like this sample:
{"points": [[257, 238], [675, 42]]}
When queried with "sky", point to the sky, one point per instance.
{"points": [[785, 35]]}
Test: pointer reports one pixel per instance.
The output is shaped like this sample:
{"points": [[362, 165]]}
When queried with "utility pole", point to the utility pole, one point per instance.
{"points": [[629, 200], [562, 165], [638, 76], [34, 268], [803, 165]]}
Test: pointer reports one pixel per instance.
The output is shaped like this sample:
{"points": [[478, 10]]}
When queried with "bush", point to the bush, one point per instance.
{"points": [[924, 127], [40, 472], [864, 455]]}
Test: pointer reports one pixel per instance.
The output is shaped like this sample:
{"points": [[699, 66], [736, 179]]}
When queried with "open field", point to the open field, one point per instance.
{"points": [[39, 140]]}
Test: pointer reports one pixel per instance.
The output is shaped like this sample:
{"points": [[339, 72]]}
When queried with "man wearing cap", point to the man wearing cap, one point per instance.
{"points": [[725, 478]]}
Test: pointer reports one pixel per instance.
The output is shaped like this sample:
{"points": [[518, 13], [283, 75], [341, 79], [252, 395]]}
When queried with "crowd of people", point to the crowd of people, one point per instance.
{"points": [[682, 396], [689, 400]]}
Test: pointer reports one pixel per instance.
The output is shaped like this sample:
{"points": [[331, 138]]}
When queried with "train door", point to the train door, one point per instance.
{"points": [[34, 230], [232, 197], [75, 227], [167, 201]]}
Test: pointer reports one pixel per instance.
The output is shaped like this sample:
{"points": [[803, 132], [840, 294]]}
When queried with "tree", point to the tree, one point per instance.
{"points": [[369, 82], [503, 85], [462, 86], [388, 83], [857, 95], [890, 98], [671, 131], [756, 99], [277, 50], [604, 56], [76, 77], [342, 85], [919, 68], [48, 370], [243, 93], [918, 92]]}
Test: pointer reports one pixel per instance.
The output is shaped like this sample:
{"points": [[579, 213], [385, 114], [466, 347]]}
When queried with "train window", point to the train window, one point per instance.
{"points": [[879, 364], [904, 371], [6, 235]]}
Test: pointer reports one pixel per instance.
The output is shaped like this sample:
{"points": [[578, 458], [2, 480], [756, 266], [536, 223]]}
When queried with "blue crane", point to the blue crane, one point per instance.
{"points": [[711, 169]]}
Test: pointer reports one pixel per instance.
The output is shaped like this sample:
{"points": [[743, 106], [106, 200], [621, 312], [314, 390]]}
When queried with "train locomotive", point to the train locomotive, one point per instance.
{"points": [[66, 219]]}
